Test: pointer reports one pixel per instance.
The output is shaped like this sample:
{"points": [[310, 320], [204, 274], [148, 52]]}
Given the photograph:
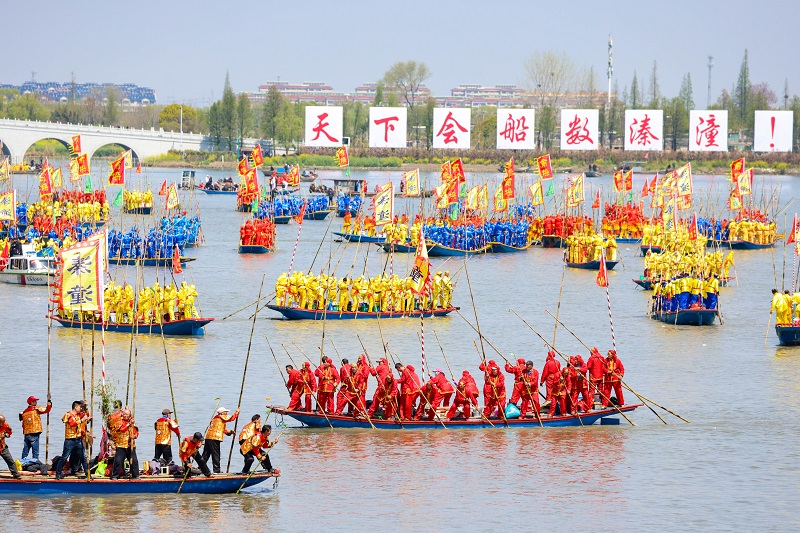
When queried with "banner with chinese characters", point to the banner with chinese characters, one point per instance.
{"points": [[684, 180], [81, 288], [83, 165], [127, 155], [117, 174], [472, 198], [451, 127], [545, 168], [457, 171], [5, 169], [580, 129], [500, 204], [383, 204], [644, 129], [8, 206], [45, 184], [536, 193], [772, 131], [508, 180], [411, 180], [75, 145], [421, 272], [483, 196], [101, 238], [388, 127], [257, 155], [172, 197], [744, 183], [515, 129], [324, 126], [708, 131], [251, 181], [341, 157]]}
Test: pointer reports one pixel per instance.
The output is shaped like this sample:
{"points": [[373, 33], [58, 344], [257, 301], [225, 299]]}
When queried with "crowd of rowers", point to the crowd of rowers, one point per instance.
{"points": [[136, 199], [569, 390], [379, 293], [685, 291], [623, 221], [71, 205], [118, 458], [669, 265], [257, 232], [154, 305], [589, 246]]}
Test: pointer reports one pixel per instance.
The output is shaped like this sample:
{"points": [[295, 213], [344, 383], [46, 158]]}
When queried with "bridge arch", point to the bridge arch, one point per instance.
{"points": [[24, 154], [111, 153]]}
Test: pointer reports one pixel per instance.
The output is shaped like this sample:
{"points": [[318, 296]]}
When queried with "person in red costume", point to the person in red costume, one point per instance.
{"points": [[550, 372], [441, 392], [580, 385], [386, 397], [363, 368], [516, 370], [381, 370], [301, 383], [409, 390], [597, 370], [529, 390], [557, 394], [466, 396], [350, 392], [613, 378], [494, 389], [327, 378]]}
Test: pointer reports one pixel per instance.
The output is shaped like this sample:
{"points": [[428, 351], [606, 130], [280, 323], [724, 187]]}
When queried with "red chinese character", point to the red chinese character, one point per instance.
{"points": [[577, 132], [448, 127], [708, 133], [386, 126], [641, 135], [320, 128], [515, 129]]}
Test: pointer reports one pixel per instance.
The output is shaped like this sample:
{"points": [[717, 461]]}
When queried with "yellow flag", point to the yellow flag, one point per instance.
{"points": [[421, 272], [81, 287], [483, 197], [472, 198], [55, 175], [412, 182], [500, 203], [172, 197], [577, 189], [536, 193], [101, 238], [684, 180], [669, 213], [383, 204], [128, 159], [8, 206], [4, 169], [744, 182]]}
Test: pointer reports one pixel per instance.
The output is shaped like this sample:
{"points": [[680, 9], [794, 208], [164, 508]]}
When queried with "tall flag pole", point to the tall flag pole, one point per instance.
{"points": [[299, 220], [602, 281]]}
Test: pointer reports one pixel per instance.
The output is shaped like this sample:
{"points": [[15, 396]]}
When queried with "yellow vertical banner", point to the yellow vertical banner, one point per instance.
{"points": [[81, 287]]}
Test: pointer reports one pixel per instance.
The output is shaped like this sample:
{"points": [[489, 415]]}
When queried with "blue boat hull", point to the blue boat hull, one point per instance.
{"points": [[398, 248], [592, 265], [654, 249], [295, 313], [746, 245], [188, 326], [346, 422], [688, 317], [788, 335], [161, 261], [500, 248], [253, 249], [553, 241], [318, 215], [628, 241], [40, 485], [646, 284], [208, 191], [283, 219], [437, 250], [138, 211], [357, 237]]}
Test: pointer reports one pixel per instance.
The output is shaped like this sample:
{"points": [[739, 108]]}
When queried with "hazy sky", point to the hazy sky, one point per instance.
{"points": [[182, 49]]}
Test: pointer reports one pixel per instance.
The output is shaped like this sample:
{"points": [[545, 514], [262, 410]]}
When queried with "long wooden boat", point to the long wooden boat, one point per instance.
{"points": [[318, 215], [358, 237], [439, 250], [655, 249], [622, 240], [211, 191], [148, 262], [788, 335], [296, 313], [185, 326], [746, 245], [318, 420], [159, 484], [397, 248], [687, 317], [283, 219], [592, 265], [647, 283], [254, 249], [138, 210], [500, 248], [553, 241]]}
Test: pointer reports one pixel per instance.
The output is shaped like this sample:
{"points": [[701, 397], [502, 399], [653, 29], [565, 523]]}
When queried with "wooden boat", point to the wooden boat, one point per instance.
{"points": [[28, 269], [647, 283], [746, 245], [655, 249], [184, 326], [295, 313], [687, 317], [148, 262], [622, 240], [318, 215], [788, 335], [553, 241], [500, 248], [283, 220], [592, 265], [139, 210], [253, 249], [592, 174], [439, 250], [397, 248], [211, 191], [357, 237], [318, 420], [159, 484], [244, 208]]}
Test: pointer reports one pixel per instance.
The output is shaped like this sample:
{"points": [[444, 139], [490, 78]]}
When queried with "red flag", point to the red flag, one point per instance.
{"points": [[618, 181], [4, 257], [176, 261], [139, 168], [653, 184], [163, 191], [258, 156], [244, 166], [457, 171], [117, 175], [693, 228], [645, 189], [629, 180], [545, 168], [790, 238], [602, 274], [596, 203], [302, 213]]}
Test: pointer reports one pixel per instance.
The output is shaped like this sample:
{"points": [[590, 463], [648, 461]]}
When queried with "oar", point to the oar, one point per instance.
{"points": [[259, 463], [621, 380], [350, 379]]}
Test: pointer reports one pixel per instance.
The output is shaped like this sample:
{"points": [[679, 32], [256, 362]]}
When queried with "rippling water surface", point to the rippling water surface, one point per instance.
{"points": [[734, 467]]}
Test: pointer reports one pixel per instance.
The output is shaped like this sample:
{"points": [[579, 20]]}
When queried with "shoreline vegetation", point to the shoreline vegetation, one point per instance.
{"points": [[490, 160]]}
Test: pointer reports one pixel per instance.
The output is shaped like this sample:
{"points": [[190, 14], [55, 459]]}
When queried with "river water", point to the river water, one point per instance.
{"points": [[734, 467]]}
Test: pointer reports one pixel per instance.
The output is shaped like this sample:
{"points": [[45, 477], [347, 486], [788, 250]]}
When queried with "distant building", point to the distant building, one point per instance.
{"points": [[129, 93]]}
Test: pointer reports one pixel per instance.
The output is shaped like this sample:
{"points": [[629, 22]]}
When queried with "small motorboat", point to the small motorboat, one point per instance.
{"points": [[28, 269]]}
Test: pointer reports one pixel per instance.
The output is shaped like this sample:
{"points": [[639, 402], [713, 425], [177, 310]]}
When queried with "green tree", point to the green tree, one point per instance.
{"points": [[290, 125], [170, 118], [676, 122], [654, 90], [244, 117], [27, 107], [67, 113], [741, 94], [214, 125], [356, 122], [111, 112], [378, 96], [430, 105], [270, 111], [794, 105], [484, 131], [405, 79], [227, 113], [636, 93], [686, 93], [547, 127]]}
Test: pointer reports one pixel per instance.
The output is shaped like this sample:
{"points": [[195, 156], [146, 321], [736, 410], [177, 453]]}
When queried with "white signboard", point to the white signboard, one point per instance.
{"points": [[580, 129], [644, 129], [451, 127], [708, 131], [773, 131], [387, 127], [324, 126], [515, 129]]}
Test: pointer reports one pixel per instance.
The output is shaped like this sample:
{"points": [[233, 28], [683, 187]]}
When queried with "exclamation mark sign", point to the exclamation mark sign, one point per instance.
{"points": [[772, 125]]}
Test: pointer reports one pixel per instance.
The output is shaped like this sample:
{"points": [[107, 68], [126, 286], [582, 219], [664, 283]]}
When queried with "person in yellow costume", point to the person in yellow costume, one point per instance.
{"points": [[415, 229], [312, 292], [108, 300], [148, 198], [156, 297], [781, 308], [437, 289], [168, 303], [145, 305], [189, 294], [281, 288], [447, 289], [344, 294]]}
